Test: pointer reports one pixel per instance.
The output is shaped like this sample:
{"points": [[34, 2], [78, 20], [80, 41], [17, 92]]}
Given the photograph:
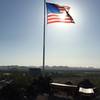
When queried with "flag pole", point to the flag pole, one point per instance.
{"points": [[44, 39]]}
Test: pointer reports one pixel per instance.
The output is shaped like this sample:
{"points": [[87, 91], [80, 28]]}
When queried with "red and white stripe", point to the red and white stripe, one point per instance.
{"points": [[54, 18]]}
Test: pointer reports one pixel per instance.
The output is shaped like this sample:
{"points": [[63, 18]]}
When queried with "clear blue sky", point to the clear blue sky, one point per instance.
{"points": [[21, 30]]}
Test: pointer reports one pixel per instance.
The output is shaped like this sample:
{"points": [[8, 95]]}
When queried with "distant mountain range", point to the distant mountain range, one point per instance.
{"points": [[26, 68], [66, 68]]}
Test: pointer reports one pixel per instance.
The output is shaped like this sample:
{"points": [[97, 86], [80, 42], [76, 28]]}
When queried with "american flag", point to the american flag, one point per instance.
{"points": [[57, 13]]}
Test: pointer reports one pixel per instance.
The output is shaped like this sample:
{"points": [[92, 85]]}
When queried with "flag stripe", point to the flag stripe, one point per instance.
{"points": [[49, 22], [59, 19], [56, 15], [64, 7]]}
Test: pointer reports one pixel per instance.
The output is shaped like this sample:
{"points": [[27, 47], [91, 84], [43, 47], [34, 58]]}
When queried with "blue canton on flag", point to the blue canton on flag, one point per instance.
{"points": [[52, 8]]}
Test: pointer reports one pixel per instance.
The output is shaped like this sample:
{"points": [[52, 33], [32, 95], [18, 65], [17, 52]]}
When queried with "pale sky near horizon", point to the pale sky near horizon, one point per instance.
{"points": [[21, 30]]}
